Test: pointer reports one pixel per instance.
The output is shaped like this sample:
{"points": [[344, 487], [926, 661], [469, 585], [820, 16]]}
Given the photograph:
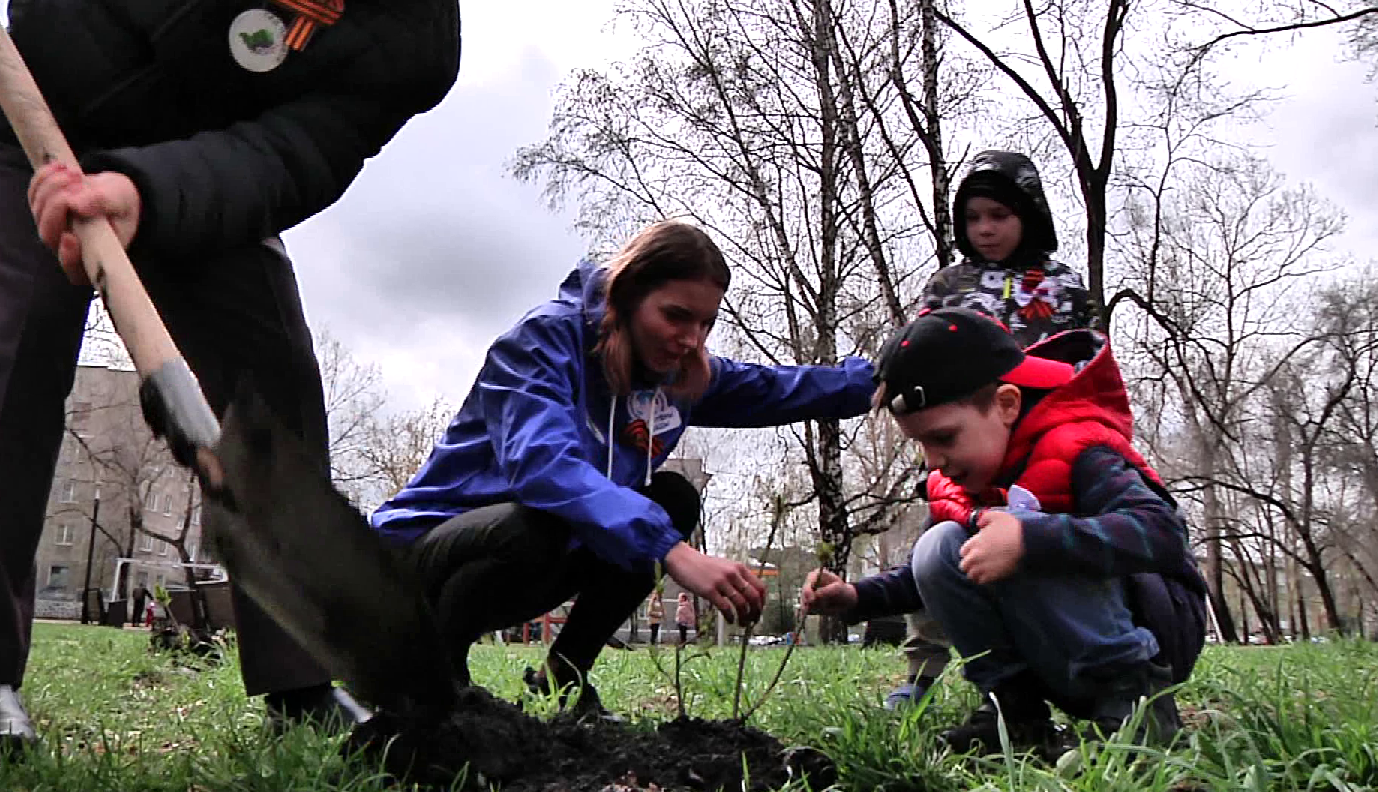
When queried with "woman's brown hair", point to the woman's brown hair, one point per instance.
{"points": [[666, 251]]}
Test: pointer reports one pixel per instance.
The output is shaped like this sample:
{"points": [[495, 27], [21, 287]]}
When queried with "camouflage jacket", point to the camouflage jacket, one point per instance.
{"points": [[1034, 302]]}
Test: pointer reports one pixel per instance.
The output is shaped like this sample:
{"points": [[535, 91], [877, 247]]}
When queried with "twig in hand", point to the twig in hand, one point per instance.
{"points": [[825, 557], [779, 510], [741, 671], [677, 678]]}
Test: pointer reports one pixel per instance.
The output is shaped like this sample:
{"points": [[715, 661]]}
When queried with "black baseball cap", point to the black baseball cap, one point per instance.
{"points": [[950, 353]]}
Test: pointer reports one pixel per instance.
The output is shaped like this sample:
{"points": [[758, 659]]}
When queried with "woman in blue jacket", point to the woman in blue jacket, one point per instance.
{"points": [[544, 485]]}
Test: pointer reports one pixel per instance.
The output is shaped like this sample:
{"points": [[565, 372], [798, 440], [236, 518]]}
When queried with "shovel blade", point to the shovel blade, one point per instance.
{"points": [[312, 562]]}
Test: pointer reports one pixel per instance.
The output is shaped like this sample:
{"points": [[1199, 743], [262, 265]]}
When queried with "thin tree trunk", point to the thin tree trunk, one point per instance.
{"points": [[937, 161], [827, 475], [1215, 572]]}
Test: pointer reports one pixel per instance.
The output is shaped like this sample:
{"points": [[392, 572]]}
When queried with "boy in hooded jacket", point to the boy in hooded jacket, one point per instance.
{"points": [[1060, 568], [1006, 236]]}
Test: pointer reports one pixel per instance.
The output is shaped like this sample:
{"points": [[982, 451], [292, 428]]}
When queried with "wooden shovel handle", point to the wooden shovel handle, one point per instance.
{"points": [[102, 255]]}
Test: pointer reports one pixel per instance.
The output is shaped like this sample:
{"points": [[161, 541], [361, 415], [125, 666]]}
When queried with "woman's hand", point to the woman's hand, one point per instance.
{"points": [[727, 585], [59, 194]]}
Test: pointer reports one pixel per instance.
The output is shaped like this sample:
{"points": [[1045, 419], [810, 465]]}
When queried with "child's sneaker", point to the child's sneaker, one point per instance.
{"points": [[908, 694], [1160, 721], [1028, 720]]}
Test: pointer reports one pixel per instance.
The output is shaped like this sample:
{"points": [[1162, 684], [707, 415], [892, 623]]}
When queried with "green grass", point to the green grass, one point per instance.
{"points": [[115, 717]]}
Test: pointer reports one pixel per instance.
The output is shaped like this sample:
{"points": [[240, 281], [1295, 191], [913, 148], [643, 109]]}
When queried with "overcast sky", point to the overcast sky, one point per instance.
{"points": [[435, 250]]}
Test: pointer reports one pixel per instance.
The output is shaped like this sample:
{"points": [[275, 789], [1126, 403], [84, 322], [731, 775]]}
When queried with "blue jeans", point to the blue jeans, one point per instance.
{"points": [[1062, 628]]}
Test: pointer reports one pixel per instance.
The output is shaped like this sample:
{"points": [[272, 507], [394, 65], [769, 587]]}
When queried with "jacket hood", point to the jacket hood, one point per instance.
{"points": [[585, 286], [1096, 394], [1012, 179]]}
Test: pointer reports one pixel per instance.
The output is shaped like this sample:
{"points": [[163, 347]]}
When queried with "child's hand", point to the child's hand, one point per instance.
{"points": [[994, 552], [827, 594]]}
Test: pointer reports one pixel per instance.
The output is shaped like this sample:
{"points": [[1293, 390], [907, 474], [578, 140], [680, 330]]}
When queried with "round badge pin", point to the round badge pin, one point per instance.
{"points": [[258, 40]]}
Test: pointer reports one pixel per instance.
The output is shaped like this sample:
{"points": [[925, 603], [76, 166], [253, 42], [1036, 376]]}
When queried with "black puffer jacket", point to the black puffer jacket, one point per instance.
{"points": [[223, 156]]}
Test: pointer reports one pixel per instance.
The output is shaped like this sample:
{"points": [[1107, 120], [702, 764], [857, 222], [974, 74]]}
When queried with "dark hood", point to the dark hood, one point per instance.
{"points": [[1012, 179]]}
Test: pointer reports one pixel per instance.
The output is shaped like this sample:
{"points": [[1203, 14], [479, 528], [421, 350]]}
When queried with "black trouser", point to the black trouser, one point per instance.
{"points": [[655, 631], [233, 313], [500, 565]]}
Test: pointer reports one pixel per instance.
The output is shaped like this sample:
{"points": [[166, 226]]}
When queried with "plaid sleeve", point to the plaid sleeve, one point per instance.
{"points": [[1127, 527], [888, 593]]}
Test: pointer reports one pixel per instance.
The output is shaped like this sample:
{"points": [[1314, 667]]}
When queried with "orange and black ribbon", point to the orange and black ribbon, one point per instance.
{"points": [[310, 14]]}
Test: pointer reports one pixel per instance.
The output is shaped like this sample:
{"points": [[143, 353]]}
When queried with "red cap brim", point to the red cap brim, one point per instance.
{"points": [[1042, 373]]}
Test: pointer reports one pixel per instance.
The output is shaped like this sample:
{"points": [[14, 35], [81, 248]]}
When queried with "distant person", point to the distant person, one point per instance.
{"points": [[685, 618], [655, 614], [140, 597]]}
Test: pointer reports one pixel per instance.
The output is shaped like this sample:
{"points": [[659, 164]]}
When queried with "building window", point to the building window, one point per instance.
{"points": [[64, 534], [196, 515], [145, 543], [162, 547], [57, 576], [167, 503], [69, 491]]}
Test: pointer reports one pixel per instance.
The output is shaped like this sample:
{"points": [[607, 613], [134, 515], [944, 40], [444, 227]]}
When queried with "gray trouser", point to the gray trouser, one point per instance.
{"points": [[236, 316], [925, 644]]}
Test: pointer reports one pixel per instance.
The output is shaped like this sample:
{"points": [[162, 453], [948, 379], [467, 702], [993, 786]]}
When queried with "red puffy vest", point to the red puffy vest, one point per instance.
{"points": [[1091, 410]]}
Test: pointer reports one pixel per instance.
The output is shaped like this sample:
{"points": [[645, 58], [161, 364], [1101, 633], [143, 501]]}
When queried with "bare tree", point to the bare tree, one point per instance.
{"points": [[1230, 253], [1102, 92], [1275, 18], [394, 447], [1075, 68], [180, 540], [353, 399], [1347, 318], [132, 469]]}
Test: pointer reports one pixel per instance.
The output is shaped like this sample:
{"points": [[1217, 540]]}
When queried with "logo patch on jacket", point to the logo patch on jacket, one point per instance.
{"points": [[645, 405], [653, 415], [258, 40]]}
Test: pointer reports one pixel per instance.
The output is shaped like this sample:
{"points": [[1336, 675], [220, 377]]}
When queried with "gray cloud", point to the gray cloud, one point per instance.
{"points": [[435, 250], [1324, 129]]}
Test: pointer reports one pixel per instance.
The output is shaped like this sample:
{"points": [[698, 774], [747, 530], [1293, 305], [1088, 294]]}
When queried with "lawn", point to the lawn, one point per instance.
{"points": [[115, 717]]}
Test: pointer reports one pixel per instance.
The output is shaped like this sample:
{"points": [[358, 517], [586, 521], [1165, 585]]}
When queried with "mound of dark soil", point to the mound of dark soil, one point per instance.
{"points": [[501, 745], [181, 640]]}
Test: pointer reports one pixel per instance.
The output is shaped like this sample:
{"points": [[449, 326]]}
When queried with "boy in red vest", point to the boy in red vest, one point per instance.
{"points": [[1058, 563], [1006, 235]]}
